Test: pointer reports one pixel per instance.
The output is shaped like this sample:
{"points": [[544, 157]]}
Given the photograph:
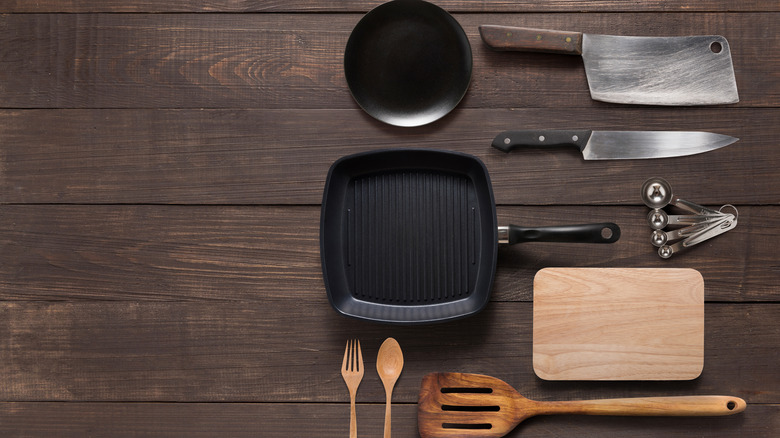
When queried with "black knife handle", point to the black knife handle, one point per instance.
{"points": [[508, 140], [606, 232]]}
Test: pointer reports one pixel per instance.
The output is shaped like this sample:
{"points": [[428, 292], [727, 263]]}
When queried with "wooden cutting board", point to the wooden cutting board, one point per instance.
{"points": [[618, 324]]}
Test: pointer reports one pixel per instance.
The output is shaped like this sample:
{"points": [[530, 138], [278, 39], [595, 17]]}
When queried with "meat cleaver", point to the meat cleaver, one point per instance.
{"points": [[688, 70], [616, 145]]}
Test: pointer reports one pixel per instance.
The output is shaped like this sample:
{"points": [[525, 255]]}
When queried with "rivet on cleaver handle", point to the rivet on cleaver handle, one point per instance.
{"points": [[683, 70]]}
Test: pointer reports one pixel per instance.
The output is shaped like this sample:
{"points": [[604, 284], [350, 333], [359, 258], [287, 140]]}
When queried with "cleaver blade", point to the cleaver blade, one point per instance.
{"points": [[680, 71], [616, 145]]}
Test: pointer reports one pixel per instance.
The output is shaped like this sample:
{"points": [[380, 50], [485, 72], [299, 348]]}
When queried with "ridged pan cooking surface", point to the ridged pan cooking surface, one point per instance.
{"points": [[411, 237]]}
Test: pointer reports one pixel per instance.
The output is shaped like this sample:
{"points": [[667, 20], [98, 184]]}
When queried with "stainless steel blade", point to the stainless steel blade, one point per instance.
{"points": [[615, 145], [691, 70]]}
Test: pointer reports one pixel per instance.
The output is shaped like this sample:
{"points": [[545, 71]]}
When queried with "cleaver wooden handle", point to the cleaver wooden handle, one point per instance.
{"points": [[531, 40]]}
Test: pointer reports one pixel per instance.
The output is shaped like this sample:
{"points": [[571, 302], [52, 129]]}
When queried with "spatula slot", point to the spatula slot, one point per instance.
{"points": [[473, 426], [466, 390], [459, 408]]}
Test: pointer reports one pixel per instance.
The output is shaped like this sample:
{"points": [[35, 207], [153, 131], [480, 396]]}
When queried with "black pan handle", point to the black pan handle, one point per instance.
{"points": [[606, 232]]}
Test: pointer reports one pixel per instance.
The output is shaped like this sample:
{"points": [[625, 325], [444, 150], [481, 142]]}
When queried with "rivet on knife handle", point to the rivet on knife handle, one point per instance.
{"points": [[508, 140], [531, 40]]}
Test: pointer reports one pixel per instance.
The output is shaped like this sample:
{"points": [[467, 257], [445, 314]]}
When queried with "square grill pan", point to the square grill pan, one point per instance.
{"points": [[408, 236]]}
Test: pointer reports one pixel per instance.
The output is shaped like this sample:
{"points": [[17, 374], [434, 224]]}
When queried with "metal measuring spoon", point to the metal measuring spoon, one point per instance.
{"points": [[657, 193], [660, 238], [659, 219], [713, 230]]}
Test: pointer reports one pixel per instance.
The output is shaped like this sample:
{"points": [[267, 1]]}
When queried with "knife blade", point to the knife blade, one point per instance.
{"points": [[617, 145], [688, 70]]}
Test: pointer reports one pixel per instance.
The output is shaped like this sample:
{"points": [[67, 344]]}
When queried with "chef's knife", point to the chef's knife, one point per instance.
{"points": [[617, 145], [689, 70]]}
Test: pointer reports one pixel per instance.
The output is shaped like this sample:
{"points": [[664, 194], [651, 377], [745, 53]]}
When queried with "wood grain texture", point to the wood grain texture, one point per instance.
{"points": [[253, 254], [295, 61], [618, 324], [449, 398], [161, 170], [503, 38], [11, 6], [389, 366], [352, 371], [460, 401], [229, 157], [202, 420], [254, 352]]}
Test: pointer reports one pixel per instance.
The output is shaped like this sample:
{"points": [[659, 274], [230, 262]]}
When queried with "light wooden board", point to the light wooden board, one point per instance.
{"points": [[618, 324]]}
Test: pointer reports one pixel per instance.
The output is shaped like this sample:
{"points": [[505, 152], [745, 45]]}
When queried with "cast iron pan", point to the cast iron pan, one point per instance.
{"points": [[408, 62], [409, 236]]}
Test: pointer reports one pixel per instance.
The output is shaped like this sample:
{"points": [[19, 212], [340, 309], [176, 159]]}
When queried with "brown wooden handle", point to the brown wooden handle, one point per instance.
{"points": [[700, 405], [531, 40], [352, 419], [388, 420]]}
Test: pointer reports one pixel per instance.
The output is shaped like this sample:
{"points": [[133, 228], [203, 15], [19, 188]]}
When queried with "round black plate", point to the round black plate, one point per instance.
{"points": [[408, 63]]}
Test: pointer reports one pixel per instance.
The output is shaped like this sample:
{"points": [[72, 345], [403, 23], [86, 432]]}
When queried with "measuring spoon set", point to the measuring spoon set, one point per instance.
{"points": [[700, 225]]}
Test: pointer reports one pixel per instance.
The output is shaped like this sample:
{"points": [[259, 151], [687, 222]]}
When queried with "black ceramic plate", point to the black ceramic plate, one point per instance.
{"points": [[408, 63]]}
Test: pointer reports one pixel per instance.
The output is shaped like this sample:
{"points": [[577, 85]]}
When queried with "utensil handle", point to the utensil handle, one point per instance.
{"points": [[526, 39], [606, 232], [387, 415], [700, 405], [352, 419], [509, 140], [693, 207]]}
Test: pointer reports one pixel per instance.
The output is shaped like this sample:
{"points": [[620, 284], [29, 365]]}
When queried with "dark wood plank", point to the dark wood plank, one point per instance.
{"points": [[332, 420], [193, 420], [158, 253], [295, 60], [11, 6], [233, 157], [291, 351], [251, 254]]}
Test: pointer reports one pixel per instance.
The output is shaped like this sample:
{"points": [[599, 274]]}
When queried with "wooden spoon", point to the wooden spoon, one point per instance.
{"points": [[389, 363], [473, 405]]}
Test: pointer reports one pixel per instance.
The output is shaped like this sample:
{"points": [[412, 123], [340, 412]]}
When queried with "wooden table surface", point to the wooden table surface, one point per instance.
{"points": [[161, 175]]}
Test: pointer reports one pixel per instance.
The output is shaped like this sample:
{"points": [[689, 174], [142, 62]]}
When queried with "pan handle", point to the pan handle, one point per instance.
{"points": [[605, 232]]}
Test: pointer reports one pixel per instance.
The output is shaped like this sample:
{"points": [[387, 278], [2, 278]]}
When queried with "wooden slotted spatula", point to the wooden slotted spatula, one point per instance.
{"points": [[473, 405]]}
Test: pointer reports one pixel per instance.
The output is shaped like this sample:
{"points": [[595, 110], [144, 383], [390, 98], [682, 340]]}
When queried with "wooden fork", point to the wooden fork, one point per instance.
{"points": [[352, 371]]}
